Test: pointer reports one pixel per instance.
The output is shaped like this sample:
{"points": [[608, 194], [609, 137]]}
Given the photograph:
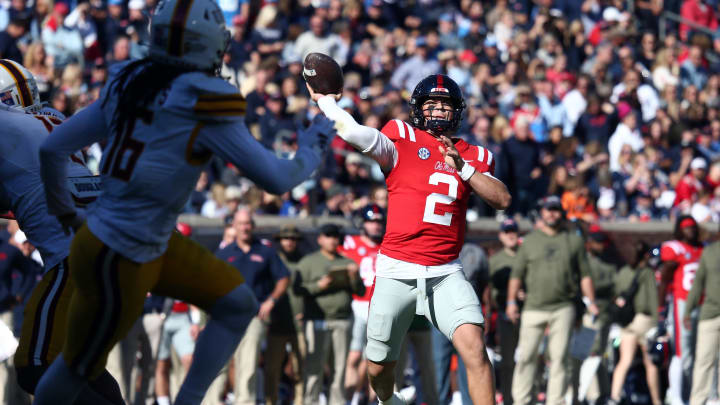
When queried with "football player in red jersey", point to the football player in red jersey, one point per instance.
{"points": [[680, 262], [429, 176], [363, 249]]}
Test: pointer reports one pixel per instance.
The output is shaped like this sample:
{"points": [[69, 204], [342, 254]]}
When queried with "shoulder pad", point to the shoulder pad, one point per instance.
{"points": [[396, 130], [205, 98]]}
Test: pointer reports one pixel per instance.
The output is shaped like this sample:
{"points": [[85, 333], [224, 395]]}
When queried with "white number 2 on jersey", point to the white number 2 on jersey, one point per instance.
{"points": [[437, 198]]}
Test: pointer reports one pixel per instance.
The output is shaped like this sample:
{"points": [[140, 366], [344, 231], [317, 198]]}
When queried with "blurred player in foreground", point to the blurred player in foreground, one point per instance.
{"points": [[26, 125], [163, 117]]}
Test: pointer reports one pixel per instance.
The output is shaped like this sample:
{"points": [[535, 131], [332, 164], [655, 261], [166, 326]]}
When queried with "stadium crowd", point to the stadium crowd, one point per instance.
{"points": [[588, 101]]}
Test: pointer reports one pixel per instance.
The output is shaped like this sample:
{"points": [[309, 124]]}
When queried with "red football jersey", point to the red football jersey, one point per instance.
{"points": [[427, 199], [355, 249], [687, 257]]}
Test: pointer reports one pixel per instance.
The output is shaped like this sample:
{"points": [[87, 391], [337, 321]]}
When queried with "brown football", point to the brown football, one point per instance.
{"points": [[323, 74]]}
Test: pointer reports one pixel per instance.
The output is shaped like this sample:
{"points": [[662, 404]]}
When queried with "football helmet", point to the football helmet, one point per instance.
{"points": [[437, 86], [371, 212], [18, 89], [189, 34]]}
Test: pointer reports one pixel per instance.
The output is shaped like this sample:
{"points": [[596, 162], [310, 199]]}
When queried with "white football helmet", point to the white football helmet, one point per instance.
{"points": [[18, 89], [189, 33]]}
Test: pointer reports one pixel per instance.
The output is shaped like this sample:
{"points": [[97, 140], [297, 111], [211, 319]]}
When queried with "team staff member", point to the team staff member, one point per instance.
{"points": [[646, 314], [288, 311], [550, 263], [707, 284], [501, 264], [327, 281], [603, 264], [268, 277]]}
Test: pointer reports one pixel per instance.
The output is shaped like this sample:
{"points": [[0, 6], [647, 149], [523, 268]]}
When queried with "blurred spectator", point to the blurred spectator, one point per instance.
{"points": [[414, 69], [275, 119], [699, 12], [64, 44], [9, 40], [519, 165], [692, 71], [320, 39], [36, 62], [626, 133], [690, 185], [215, 207], [640, 97]]}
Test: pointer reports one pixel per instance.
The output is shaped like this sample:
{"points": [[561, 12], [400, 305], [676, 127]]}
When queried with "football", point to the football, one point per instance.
{"points": [[323, 74]]}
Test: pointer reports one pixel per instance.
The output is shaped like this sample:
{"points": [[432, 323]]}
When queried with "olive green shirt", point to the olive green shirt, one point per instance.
{"points": [[501, 264], [707, 279], [332, 303], [290, 304], [551, 268], [603, 277], [646, 298]]}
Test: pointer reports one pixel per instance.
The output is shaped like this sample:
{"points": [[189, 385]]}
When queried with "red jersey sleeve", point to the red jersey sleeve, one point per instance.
{"points": [[668, 251], [485, 162]]}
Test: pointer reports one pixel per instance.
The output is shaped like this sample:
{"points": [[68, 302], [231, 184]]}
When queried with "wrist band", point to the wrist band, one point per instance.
{"points": [[512, 302], [467, 172]]}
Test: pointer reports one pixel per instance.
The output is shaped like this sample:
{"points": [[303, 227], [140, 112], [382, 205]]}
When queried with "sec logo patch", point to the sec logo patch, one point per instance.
{"points": [[423, 153]]}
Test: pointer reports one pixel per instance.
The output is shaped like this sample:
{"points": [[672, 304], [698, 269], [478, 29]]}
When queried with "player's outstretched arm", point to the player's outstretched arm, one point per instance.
{"points": [[366, 139], [82, 129], [234, 143]]}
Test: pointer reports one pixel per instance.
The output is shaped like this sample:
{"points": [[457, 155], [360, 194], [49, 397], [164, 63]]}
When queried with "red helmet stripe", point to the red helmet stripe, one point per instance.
{"points": [[439, 81]]}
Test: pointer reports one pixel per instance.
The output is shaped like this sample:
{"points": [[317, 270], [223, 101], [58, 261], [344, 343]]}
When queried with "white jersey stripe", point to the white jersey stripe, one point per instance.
{"points": [[481, 154], [489, 158], [412, 132], [401, 128]]}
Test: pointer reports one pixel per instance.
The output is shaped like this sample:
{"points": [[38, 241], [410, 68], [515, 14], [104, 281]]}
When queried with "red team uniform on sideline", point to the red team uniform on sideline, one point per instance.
{"points": [[365, 256], [427, 199], [687, 257]]}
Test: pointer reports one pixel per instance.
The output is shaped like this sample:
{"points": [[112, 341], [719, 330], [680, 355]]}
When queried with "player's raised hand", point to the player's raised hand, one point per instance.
{"points": [[450, 153], [317, 96], [318, 135]]}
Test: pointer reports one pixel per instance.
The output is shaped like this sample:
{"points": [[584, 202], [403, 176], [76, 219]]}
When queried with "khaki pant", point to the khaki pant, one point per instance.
{"points": [[322, 336], [532, 329], [246, 359], [706, 360]]}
